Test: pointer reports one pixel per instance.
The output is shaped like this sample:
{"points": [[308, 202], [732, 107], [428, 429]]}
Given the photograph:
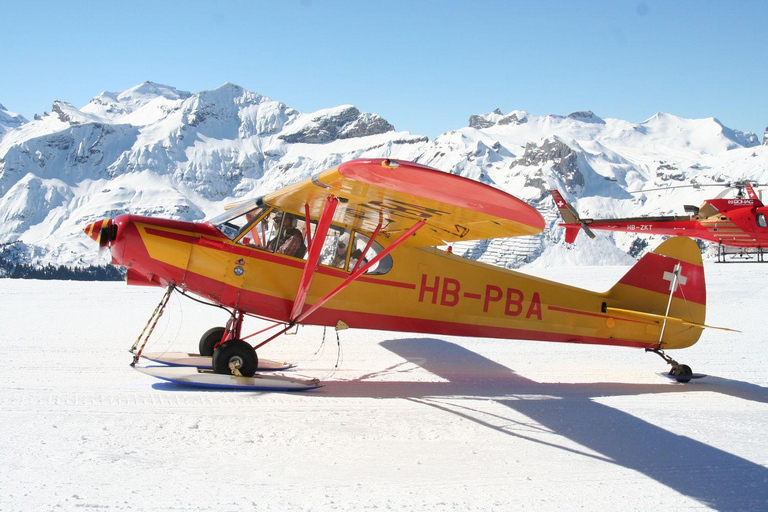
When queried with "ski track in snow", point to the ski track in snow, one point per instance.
{"points": [[408, 422]]}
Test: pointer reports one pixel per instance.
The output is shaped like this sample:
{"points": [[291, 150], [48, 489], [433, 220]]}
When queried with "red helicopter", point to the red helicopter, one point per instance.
{"points": [[739, 225]]}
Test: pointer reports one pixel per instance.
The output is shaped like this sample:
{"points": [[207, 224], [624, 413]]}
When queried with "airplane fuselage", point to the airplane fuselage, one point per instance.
{"points": [[427, 290]]}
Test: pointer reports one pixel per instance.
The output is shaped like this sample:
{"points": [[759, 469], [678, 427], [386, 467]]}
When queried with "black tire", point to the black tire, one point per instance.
{"points": [[685, 370], [237, 352], [209, 339], [681, 371]]}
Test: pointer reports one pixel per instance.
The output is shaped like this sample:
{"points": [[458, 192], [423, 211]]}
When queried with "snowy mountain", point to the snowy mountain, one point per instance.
{"points": [[155, 150], [9, 120]]}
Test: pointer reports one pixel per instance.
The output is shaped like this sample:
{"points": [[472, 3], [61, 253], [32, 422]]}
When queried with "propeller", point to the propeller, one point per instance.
{"points": [[589, 232], [102, 231]]}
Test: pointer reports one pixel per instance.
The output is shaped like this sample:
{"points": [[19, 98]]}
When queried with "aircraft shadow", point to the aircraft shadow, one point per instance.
{"points": [[712, 476]]}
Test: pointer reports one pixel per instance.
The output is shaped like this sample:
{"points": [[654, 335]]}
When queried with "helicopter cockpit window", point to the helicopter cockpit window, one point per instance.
{"points": [[358, 246], [761, 221]]}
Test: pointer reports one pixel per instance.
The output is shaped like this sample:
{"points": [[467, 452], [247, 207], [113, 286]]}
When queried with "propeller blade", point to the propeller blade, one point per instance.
{"points": [[101, 231], [588, 231]]}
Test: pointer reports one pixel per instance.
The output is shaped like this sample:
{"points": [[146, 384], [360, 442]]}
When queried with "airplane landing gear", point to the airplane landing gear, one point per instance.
{"points": [[209, 340], [235, 357], [680, 372]]}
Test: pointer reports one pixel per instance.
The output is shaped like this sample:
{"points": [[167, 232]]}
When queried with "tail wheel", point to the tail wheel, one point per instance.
{"points": [[682, 370], [210, 339], [235, 355]]}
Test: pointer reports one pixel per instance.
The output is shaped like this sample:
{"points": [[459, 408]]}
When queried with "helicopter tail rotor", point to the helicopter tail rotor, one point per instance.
{"points": [[571, 220]]}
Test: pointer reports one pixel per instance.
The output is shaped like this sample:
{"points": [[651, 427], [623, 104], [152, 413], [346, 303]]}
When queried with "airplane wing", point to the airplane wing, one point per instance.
{"points": [[400, 194]]}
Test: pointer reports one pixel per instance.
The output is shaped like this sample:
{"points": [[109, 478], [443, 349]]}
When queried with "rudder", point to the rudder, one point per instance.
{"points": [[675, 267]]}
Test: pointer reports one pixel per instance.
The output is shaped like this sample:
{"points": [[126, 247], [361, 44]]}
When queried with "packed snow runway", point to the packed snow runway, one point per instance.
{"points": [[407, 422]]}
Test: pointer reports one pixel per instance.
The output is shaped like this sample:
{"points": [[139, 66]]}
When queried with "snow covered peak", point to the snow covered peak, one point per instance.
{"points": [[327, 125], [708, 134], [147, 91], [230, 111], [586, 116], [9, 119], [496, 117], [67, 113], [115, 106]]}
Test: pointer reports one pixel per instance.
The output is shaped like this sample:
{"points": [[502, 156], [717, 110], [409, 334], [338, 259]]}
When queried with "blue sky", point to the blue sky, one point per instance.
{"points": [[425, 66]]}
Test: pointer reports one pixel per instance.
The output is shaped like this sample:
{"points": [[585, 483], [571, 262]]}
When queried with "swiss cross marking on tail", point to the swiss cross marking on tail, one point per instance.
{"points": [[675, 278]]}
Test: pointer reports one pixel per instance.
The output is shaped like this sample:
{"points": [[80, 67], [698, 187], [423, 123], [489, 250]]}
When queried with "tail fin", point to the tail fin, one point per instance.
{"points": [[571, 219], [665, 294], [751, 193]]}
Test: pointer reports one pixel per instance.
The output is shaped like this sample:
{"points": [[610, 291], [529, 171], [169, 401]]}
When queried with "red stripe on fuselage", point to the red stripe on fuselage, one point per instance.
{"points": [[172, 235]]}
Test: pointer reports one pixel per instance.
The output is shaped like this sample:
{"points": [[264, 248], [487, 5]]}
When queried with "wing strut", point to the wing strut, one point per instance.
{"points": [[360, 271], [314, 255], [308, 224], [348, 280], [368, 246]]}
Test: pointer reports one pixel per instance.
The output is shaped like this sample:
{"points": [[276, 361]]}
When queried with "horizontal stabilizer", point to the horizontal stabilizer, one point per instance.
{"points": [[651, 316]]}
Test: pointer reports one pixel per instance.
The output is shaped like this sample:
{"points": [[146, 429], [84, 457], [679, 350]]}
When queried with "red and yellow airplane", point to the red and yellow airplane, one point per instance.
{"points": [[736, 222], [357, 246]]}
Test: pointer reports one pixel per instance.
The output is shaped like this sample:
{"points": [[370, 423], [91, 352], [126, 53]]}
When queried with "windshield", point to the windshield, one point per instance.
{"points": [[267, 229], [235, 226], [236, 210]]}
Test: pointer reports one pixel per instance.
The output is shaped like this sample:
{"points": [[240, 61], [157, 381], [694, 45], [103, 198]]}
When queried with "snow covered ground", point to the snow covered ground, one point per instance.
{"points": [[407, 423]]}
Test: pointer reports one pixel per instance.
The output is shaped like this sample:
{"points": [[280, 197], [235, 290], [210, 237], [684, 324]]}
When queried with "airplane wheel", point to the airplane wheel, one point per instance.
{"points": [[682, 371], [209, 339], [238, 353]]}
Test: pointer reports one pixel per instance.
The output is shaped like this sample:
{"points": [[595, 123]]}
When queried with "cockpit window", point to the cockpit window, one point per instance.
{"points": [[289, 237], [358, 259], [761, 221], [276, 232], [232, 228], [271, 230], [335, 248], [258, 234]]}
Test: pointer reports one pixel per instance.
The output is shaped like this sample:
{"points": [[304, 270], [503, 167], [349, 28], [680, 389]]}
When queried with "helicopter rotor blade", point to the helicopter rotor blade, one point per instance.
{"points": [[730, 184]]}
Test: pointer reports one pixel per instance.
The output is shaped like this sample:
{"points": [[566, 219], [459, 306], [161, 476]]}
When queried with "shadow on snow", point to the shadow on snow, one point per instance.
{"points": [[712, 476], [705, 473]]}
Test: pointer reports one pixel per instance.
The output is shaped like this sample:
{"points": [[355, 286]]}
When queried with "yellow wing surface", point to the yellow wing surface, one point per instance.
{"points": [[399, 194]]}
